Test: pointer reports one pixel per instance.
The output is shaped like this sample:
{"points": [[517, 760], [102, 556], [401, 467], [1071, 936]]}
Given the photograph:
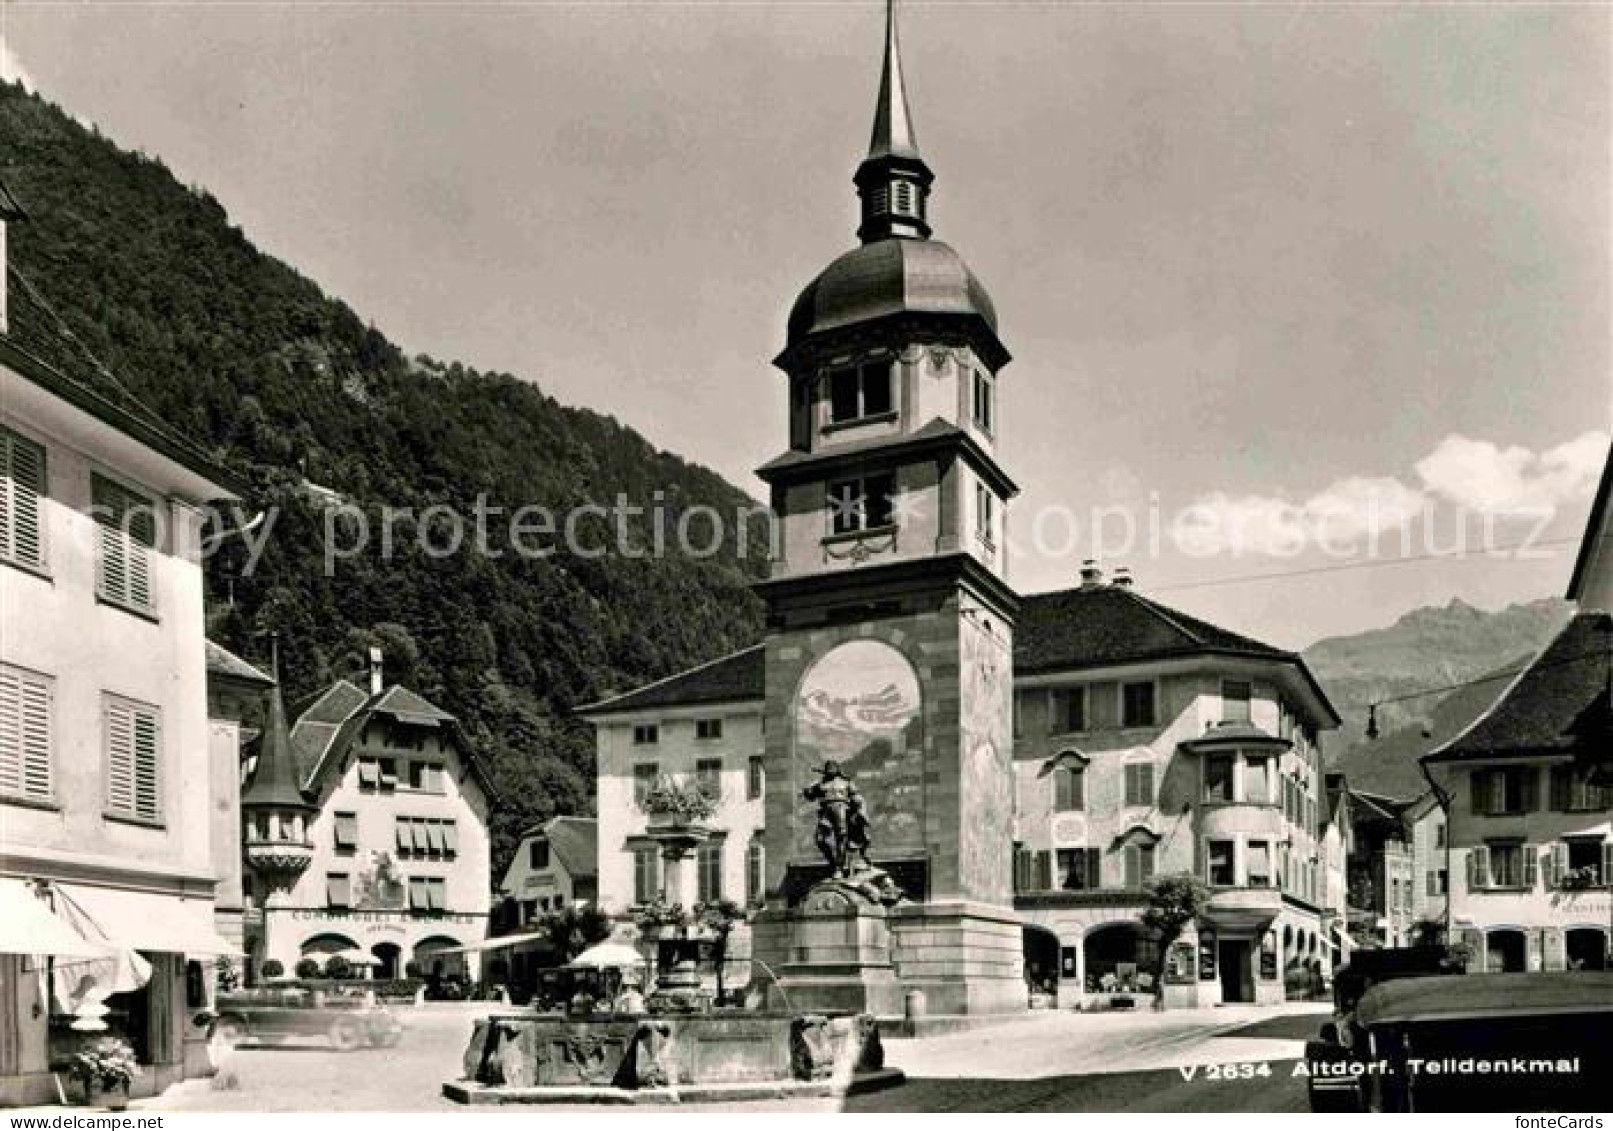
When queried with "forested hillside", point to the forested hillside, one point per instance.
{"points": [[124, 276]]}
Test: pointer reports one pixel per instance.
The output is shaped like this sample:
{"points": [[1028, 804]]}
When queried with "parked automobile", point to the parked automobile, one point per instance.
{"points": [[1483, 1042], [287, 1016]]}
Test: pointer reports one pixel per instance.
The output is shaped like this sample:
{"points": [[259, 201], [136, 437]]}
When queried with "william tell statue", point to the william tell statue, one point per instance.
{"points": [[843, 829]]}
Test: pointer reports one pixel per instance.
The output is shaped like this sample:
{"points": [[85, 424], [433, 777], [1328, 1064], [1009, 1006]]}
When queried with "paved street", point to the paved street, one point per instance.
{"points": [[1049, 1062]]}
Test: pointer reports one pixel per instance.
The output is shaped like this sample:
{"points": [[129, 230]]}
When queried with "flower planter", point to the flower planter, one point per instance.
{"points": [[114, 1098]]}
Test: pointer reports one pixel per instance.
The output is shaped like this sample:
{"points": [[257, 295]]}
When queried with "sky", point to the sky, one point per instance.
{"points": [[1278, 280]]}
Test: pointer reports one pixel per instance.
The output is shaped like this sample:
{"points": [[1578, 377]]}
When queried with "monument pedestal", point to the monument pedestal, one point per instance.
{"points": [[967, 957], [833, 952]]}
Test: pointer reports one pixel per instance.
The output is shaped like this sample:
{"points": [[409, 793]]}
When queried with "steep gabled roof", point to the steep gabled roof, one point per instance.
{"points": [[574, 841], [224, 664], [736, 677], [275, 782], [1598, 537], [1556, 705]]}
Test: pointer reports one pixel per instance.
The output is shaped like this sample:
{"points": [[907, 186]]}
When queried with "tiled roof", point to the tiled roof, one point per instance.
{"points": [[1112, 624], [575, 843], [329, 721], [1557, 704], [1598, 532], [738, 676], [405, 704], [221, 662]]}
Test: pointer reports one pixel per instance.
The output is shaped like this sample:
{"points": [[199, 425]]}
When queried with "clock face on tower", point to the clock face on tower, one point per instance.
{"points": [[859, 705]]}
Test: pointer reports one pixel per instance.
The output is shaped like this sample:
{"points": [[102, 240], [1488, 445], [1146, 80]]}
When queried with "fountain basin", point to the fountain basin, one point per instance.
{"points": [[519, 1057]]}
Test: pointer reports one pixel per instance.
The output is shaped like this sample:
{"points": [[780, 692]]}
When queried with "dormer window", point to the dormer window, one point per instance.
{"points": [[860, 392], [861, 504]]}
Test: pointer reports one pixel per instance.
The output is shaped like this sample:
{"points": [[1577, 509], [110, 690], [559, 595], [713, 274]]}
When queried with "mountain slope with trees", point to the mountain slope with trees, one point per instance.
{"points": [[131, 282]]}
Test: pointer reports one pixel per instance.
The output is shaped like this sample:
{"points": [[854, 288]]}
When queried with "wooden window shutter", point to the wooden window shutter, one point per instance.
{"points": [[1478, 868], [1531, 865], [118, 721], [25, 734], [1530, 794], [1478, 789], [1134, 867], [147, 786], [1044, 871], [22, 486], [1607, 863], [1561, 778], [1022, 868], [127, 524]]}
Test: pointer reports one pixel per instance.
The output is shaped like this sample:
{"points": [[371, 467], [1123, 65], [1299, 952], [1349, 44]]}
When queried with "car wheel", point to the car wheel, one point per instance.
{"points": [[229, 1031], [344, 1035]]}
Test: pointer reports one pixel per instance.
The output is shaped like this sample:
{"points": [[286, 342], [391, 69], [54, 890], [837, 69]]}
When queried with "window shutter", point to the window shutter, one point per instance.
{"points": [[1531, 789], [1044, 871], [1607, 863], [1477, 790], [1478, 868], [25, 734], [1145, 774], [22, 485], [119, 724], [1134, 867], [147, 802], [1022, 868], [1531, 865], [405, 839], [1560, 778], [1094, 864]]}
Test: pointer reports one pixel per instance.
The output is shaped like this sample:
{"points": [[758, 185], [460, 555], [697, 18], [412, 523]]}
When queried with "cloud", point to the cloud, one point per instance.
{"points": [[1490, 479], [1473, 475], [11, 68], [1338, 517]]}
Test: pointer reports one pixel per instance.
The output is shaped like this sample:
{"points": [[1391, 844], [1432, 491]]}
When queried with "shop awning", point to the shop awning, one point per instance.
{"points": [[27, 926], [149, 921], [504, 942]]}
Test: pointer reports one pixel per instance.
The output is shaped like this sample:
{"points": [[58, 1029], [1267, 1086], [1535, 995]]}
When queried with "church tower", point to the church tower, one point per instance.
{"points": [[890, 619]]}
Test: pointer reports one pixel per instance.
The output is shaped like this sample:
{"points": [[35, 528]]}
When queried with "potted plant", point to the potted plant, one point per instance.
{"points": [[272, 969], [309, 968], [675, 802], [106, 1068]]}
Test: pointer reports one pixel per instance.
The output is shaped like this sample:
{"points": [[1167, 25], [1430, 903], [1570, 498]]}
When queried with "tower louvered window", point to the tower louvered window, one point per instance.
{"points": [[128, 533], [22, 487], [25, 735], [133, 759]]}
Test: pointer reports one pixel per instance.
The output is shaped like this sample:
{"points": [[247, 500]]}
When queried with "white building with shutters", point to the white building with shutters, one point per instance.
{"points": [[105, 781], [395, 838]]}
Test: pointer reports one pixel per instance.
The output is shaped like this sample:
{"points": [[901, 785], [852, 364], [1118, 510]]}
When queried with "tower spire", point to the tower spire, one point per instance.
{"points": [[893, 122], [893, 180]]}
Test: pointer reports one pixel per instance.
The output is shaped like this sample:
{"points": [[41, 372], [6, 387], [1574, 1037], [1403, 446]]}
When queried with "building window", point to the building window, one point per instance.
{"points": [[428, 893], [1069, 792], [1257, 779], [345, 830], [1588, 857], [708, 775], [1504, 792], [1507, 865], [1218, 870], [645, 775], [985, 514], [861, 504], [984, 396], [755, 871], [425, 838], [1140, 783], [708, 730], [1069, 710], [860, 392], [26, 765], [128, 533], [426, 777], [338, 890], [1139, 859], [646, 734], [133, 734], [1137, 704], [1236, 695], [756, 777], [708, 865], [22, 487], [1079, 868], [1572, 791], [1258, 864], [1436, 881], [1439, 835], [646, 874], [537, 856], [1218, 777]]}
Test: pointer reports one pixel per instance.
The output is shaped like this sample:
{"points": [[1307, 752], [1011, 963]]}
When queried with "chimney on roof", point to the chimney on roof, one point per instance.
{"points": [[376, 669], [1122, 577], [1091, 575]]}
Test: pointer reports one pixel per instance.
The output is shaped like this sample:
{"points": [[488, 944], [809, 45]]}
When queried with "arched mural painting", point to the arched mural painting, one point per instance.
{"points": [[859, 705]]}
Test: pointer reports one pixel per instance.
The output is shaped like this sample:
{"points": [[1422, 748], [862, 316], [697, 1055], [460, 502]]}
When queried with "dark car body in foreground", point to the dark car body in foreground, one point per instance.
{"points": [[295, 1016], [1481, 1042]]}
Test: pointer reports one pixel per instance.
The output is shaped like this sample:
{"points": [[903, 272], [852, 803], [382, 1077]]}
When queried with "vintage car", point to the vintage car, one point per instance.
{"points": [[291, 1016], [1483, 1042]]}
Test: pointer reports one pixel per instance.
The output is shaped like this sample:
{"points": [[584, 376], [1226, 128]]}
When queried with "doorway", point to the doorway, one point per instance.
{"points": [[1232, 962], [1586, 948], [1506, 952], [387, 954]]}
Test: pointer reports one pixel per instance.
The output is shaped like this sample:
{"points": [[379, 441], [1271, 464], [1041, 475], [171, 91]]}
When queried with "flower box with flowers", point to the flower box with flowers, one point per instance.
{"points": [[678, 804], [106, 1068]]}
